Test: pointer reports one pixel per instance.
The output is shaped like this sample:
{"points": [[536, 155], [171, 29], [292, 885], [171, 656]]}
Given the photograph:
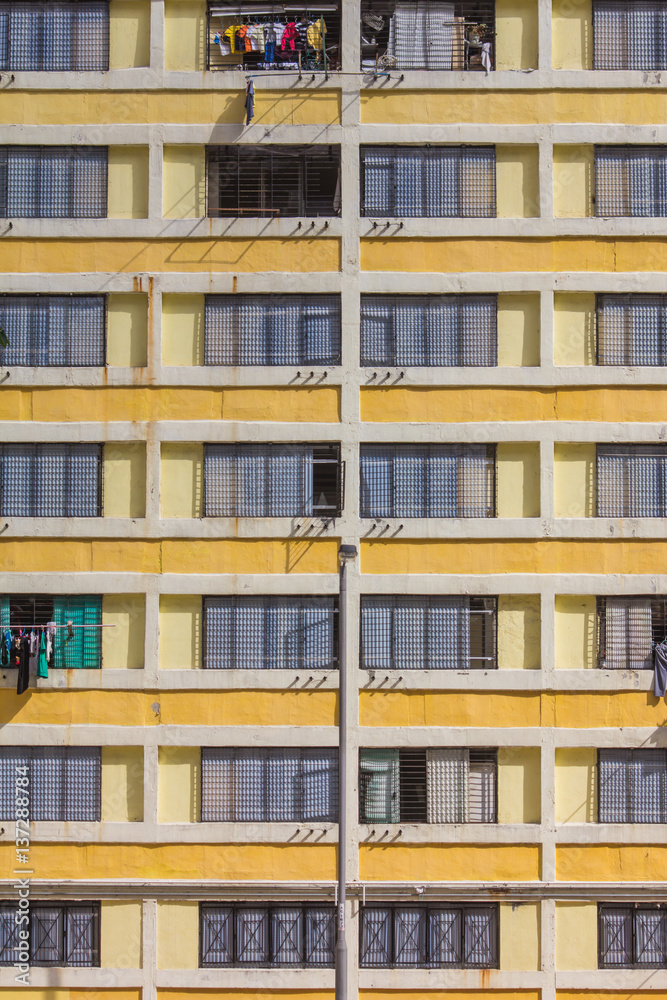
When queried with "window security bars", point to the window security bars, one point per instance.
{"points": [[43, 37], [632, 480], [281, 785], [51, 480], [631, 181], [440, 182], [273, 181], [82, 650], [428, 633], [273, 480], [627, 629], [64, 934], [272, 330], [270, 633], [300, 935], [64, 783], [632, 330], [53, 182], [629, 34], [632, 937], [458, 331], [435, 785], [447, 480], [632, 786], [442, 936], [53, 330]]}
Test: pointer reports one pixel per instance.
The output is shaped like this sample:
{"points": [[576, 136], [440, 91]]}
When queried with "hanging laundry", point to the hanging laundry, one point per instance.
{"points": [[486, 56], [660, 670], [249, 102], [15, 652], [4, 650], [23, 678], [42, 663], [50, 641], [270, 42], [223, 44], [230, 33], [34, 644], [314, 34], [290, 35]]}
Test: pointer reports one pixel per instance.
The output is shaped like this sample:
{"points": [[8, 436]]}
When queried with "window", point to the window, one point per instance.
{"points": [[434, 785], [263, 936], [461, 936], [437, 182], [632, 786], [632, 480], [53, 182], [273, 480], [631, 181], [272, 330], [629, 34], [58, 35], [53, 330], [458, 331], [270, 633], [282, 785], [627, 629], [51, 480], [428, 633], [273, 181], [439, 480], [64, 783], [80, 649], [632, 937], [632, 330], [66, 934]]}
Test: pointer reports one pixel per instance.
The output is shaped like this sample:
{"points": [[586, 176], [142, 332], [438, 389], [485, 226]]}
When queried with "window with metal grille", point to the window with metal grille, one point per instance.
{"points": [[428, 633], [64, 783], [632, 330], [272, 330], [632, 480], [273, 480], [632, 937], [273, 181], [433, 936], [270, 633], [301, 935], [53, 182], [65, 934], [53, 330], [433, 785], [315, 48], [427, 35], [629, 34], [631, 181], [632, 786], [77, 649], [422, 182], [278, 785], [54, 36], [458, 331], [51, 480], [437, 480], [627, 630]]}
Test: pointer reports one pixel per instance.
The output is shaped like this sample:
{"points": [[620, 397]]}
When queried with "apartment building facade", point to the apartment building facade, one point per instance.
{"points": [[372, 316]]}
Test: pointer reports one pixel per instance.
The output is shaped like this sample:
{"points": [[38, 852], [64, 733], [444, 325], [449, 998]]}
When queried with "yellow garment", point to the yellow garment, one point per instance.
{"points": [[314, 34], [230, 33]]}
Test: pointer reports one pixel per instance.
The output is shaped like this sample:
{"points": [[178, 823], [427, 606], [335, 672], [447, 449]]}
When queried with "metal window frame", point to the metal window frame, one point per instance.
{"points": [[629, 805], [270, 908], [41, 446], [623, 5], [629, 299], [656, 613], [74, 153], [39, 40], [631, 450], [62, 961], [632, 909], [63, 295], [624, 146]]}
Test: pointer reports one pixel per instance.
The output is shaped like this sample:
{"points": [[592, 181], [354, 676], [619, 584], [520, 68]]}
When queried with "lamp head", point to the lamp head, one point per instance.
{"points": [[347, 553]]}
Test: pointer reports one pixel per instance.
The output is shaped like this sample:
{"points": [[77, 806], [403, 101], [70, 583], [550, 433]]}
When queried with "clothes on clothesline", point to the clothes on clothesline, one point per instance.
{"points": [[249, 102], [278, 41]]}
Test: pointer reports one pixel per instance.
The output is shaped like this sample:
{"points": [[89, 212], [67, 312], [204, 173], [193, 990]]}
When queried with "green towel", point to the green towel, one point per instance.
{"points": [[42, 665]]}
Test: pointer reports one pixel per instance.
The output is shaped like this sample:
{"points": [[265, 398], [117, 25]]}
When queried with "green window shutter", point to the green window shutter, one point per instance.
{"points": [[379, 800], [82, 650], [4, 612]]}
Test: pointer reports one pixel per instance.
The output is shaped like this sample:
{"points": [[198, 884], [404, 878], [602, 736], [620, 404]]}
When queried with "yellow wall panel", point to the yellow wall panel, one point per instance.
{"points": [[120, 934], [128, 182], [576, 785], [127, 330], [516, 34], [122, 784], [124, 477], [184, 182], [518, 480], [574, 328], [576, 936], [518, 330], [63, 993], [575, 632], [575, 486], [129, 33], [178, 935], [519, 632], [180, 632], [185, 34], [259, 993], [572, 34], [429, 994], [179, 785], [182, 329], [447, 708], [611, 862], [123, 645], [305, 405], [519, 785], [449, 862], [520, 936], [574, 181], [517, 182], [181, 480], [575, 709]]}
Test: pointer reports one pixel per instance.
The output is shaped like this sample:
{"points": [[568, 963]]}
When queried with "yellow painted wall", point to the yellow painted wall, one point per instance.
{"points": [[127, 330], [572, 34], [179, 784], [180, 631], [576, 785], [450, 708], [120, 934], [123, 645], [518, 480], [390, 994], [518, 330], [611, 862], [184, 182], [574, 181], [125, 479], [122, 784], [129, 33], [517, 182], [64, 993], [185, 34], [449, 862], [575, 492], [574, 328], [520, 936], [181, 480], [575, 632], [576, 936], [519, 785], [516, 34], [128, 182], [177, 934], [182, 329], [519, 621]]}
